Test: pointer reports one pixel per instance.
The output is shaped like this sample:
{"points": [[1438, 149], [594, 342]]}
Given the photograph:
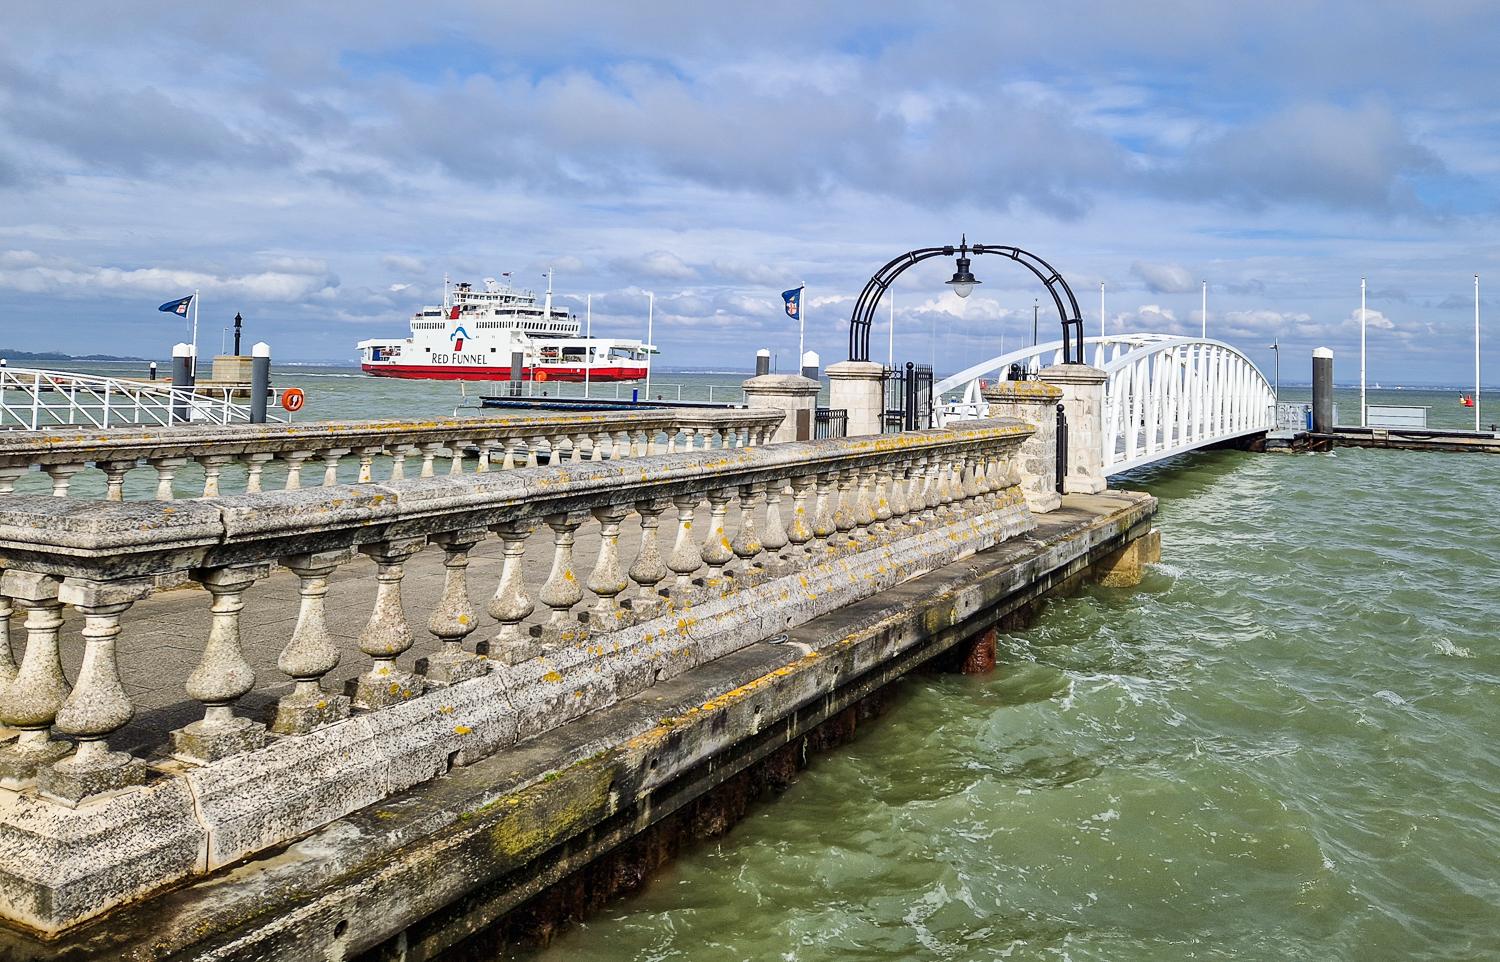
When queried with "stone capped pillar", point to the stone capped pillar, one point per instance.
{"points": [[858, 387], [1083, 400], [796, 395], [1034, 402]]}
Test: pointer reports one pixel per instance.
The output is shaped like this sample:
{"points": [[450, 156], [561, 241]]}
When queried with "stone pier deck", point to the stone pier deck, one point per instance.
{"points": [[411, 876]]}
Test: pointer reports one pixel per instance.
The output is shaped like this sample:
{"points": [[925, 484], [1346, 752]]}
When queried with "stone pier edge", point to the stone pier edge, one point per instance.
{"points": [[419, 871]]}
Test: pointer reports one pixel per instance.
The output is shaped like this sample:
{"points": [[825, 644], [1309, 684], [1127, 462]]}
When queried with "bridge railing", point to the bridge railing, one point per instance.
{"points": [[208, 461], [32, 399], [98, 805]]}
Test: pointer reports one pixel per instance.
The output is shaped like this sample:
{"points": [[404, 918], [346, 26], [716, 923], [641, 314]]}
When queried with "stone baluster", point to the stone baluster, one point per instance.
{"points": [[823, 524], [294, 461], [970, 487], [686, 558], [638, 443], [622, 445], [387, 635], [649, 569], [7, 657], [429, 454], [672, 432], [607, 579], [949, 486], [512, 447], [863, 509], [331, 458], [898, 505], [255, 469], [114, 478], [653, 446], [457, 452], [453, 619], [511, 604], [916, 493], [30, 702], [599, 443], [399, 453], [98, 705], [487, 448], [311, 652], [880, 506], [800, 534], [213, 470], [716, 551], [366, 455], [223, 675], [166, 470], [533, 444], [575, 447], [747, 543], [62, 476], [561, 590], [931, 498], [775, 537], [9, 474], [843, 514]]}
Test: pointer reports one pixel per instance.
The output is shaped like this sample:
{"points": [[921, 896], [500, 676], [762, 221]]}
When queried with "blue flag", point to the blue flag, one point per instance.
{"points": [[178, 307], [793, 300]]}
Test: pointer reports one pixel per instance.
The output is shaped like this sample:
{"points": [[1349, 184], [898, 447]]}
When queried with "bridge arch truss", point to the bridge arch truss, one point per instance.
{"points": [[1165, 395]]}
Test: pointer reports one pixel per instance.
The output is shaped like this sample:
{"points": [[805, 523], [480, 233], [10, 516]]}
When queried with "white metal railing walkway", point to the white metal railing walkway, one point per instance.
{"points": [[32, 399], [1165, 394]]}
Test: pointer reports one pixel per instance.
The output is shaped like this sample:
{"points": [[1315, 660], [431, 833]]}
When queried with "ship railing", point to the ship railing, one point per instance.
{"points": [[130, 464], [353, 641], [32, 399]]}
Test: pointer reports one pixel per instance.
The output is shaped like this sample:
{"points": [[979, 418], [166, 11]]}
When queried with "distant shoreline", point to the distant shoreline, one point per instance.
{"points": [[11, 355]]}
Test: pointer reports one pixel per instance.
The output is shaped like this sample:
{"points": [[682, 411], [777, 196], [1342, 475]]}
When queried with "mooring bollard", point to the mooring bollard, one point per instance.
{"points": [[152, 370], [260, 380], [1322, 390], [182, 381], [762, 362], [810, 362]]}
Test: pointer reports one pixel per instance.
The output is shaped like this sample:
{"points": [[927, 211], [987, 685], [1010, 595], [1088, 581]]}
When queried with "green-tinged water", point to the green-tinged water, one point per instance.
{"points": [[1284, 745]]}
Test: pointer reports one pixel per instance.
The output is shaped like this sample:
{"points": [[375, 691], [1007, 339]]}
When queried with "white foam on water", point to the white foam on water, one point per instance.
{"points": [[1390, 696], [1445, 647]]}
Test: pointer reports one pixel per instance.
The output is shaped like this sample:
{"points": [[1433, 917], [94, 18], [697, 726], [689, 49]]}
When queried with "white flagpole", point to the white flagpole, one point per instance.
{"points": [[194, 367], [650, 318], [1102, 331], [890, 341], [1476, 352], [1362, 415], [1205, 310], [588, 347], [801, 323]]}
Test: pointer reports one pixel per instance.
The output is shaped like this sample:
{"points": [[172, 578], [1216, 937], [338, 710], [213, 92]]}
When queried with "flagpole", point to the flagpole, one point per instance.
{"points": [[588, 347], [801, 323], [1476, 352], [1362, 415], [1205, 310], [890, 343], [195, 334], [650, 317]]}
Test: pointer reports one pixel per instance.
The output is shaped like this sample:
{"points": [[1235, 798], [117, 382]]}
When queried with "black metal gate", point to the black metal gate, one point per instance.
{"points": [[908, 398], [1061, 468]]}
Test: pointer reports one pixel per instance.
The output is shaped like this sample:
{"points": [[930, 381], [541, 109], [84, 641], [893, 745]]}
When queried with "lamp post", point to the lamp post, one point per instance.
{"points": [[238, 322], [1277, 349], [963, 283]]}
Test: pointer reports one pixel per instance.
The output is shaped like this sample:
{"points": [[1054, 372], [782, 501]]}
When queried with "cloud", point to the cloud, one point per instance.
{"points": [[1374, 320], [25, 271], [1164, 278], [655, 265], [404, 265]]}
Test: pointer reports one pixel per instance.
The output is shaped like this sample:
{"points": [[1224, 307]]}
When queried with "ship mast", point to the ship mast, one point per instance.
{"points": [[547, 307]]}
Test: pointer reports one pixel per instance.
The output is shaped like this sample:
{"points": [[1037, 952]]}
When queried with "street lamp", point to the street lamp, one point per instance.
{"points": [[1277, 349], [963, 280]]}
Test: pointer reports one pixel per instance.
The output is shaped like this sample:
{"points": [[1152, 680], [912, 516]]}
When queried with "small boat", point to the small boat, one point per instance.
{"points": [[476, 332]]}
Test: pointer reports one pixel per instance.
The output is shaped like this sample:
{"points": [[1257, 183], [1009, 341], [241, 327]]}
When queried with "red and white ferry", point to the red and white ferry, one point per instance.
{"points": [[474, 334]]}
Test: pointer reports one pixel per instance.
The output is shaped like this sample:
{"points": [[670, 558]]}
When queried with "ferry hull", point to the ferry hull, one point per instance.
{"points": [[425, 372]]}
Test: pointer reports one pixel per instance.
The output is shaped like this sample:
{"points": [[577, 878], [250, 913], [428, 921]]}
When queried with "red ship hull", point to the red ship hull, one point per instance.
{"points": [[425, 372]]}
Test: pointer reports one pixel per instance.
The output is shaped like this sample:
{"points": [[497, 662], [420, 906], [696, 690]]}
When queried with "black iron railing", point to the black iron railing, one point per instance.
{"points": [[830, 423]]}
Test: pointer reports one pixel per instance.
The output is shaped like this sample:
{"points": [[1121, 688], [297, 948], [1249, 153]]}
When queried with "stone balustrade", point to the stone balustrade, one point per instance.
{"points": [[726, 548], [213, 460]]}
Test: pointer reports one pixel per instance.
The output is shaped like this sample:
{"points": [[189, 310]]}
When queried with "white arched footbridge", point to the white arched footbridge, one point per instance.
{"points": [[1165, 395]]}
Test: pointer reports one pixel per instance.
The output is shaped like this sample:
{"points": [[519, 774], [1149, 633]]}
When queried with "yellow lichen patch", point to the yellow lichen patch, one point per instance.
{"points": [[461, 729], [552, 677], [445, 709]]}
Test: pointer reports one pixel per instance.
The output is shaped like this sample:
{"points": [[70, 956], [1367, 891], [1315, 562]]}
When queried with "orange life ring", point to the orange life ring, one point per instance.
{"points": [[540, 376], [292, 399]]}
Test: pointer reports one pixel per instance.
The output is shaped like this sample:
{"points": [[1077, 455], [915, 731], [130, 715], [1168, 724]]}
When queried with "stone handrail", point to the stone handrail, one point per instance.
{"points": [[84, 826], [295, 455]]}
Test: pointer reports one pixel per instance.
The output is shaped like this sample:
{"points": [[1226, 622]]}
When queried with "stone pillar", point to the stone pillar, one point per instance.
{"points": [[858, 387], [1123, 568], [795, 395], [1034, 402], [1083, 400]]}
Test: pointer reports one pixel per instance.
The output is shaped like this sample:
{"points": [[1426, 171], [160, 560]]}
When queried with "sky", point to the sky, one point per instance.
{"points": [[320, 167]]}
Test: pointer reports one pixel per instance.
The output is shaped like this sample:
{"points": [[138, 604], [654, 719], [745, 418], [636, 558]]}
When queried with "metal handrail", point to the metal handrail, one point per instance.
{"points": [[64, 398]]}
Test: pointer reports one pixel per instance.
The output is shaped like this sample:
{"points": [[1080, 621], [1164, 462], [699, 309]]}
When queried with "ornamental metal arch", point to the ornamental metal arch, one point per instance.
{"points": [[862, 318]]}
